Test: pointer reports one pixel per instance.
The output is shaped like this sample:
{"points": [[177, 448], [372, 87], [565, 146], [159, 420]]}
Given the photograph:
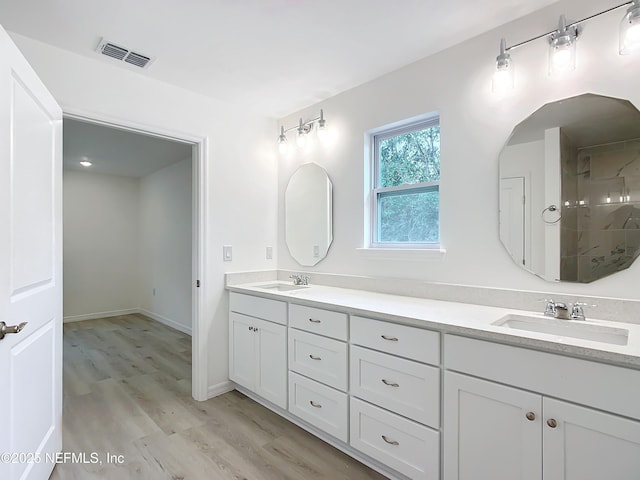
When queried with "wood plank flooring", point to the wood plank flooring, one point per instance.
{"points": [[127, 392]]}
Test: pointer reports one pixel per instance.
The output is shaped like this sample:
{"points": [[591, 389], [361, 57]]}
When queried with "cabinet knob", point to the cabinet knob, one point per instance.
{"points": [[552, 423], [391, 339], [390, 442], [531, 416], [314, 404], [251, 329]]}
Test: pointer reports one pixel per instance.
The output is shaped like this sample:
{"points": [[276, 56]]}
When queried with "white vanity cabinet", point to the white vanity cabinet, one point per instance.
{"points": [[520, 431], [395, 396], [258, 346], [318, 368]]}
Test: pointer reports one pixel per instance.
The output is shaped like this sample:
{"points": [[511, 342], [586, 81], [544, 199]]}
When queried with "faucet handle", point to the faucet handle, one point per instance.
{"points": [[550, 307], [577, 312]]}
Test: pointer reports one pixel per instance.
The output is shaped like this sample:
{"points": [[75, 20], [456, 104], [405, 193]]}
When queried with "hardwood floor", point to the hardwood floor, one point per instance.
{"points": [[127, 393]]}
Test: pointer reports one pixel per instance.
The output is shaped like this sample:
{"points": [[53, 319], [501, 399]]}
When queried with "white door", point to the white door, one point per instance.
{"points": [[585, 444], [490, 431], [512, 217], [30, 269], [271, 380], [242, 350]]}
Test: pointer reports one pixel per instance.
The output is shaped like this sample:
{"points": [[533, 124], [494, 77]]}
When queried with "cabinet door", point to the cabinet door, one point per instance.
{"points": [[242, 350], [271, 345], [487, 433], [586, 444]]}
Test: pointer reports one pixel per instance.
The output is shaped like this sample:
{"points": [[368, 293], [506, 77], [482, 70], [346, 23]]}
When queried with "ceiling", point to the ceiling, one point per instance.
{"points": [[117, 152], [275, 56]]}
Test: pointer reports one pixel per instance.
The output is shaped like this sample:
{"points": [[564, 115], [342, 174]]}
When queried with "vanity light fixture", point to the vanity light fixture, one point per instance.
{"points": [[562, 51], [303, 130]]}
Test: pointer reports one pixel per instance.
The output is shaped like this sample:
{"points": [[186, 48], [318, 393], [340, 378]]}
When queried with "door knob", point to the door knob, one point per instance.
{"points": [[4, 329]]}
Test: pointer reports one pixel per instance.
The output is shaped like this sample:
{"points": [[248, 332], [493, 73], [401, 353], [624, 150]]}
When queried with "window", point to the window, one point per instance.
{"points": [[405, 197]]}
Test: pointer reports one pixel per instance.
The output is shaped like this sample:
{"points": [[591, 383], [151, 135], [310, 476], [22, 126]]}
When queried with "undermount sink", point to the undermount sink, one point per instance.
{"points": [[566, 328], [283, 287]]}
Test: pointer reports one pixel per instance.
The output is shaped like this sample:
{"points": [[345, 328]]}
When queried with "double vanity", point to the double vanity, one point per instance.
{"points": [[427, 389]]}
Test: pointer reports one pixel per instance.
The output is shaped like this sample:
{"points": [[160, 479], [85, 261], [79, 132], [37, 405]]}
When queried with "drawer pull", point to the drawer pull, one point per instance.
{"points": [[313, 357], [391, 384], [314, 404], [390, 442], [391, 339], [313, 320]]}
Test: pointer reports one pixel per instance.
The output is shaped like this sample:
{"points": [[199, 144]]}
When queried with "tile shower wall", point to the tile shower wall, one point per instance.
{"points": [[608, 183], [570, 200]]}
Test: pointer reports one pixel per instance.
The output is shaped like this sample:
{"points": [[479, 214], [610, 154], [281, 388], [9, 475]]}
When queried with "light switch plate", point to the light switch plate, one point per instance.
{"points": [[269, 253], [227, 253]]}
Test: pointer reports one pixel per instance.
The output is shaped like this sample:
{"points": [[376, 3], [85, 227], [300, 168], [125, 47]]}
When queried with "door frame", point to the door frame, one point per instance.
{"points": [[199, 374]]}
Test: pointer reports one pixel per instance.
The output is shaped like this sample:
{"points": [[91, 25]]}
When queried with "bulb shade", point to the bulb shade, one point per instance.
{"points": [[562, 55], [283, 147], [630, 30], [503, 80], [301, 139]]}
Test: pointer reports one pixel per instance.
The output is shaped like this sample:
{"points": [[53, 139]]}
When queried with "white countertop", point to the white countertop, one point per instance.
{"points": [[457, 318]]}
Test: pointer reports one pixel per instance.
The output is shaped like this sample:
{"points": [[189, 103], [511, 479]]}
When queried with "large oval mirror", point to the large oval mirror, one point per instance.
{"points": [[570, 189], [308, 222]]}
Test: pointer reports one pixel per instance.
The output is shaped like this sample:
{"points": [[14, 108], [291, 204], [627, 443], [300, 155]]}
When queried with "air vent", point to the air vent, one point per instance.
{"points": [[120, 53]]}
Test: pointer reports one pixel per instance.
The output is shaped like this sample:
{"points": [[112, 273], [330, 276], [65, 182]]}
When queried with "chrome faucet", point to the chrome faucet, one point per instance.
{"points": [[561, 310], [299, 279]]}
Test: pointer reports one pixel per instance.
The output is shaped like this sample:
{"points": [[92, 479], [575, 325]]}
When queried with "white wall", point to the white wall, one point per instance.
{"points": [[101, 244], [241, 169], [165, 245], [475, 126]]}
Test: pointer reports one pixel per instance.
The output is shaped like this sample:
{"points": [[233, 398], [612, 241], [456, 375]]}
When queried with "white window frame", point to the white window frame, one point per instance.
{"points": [[376, 193]]}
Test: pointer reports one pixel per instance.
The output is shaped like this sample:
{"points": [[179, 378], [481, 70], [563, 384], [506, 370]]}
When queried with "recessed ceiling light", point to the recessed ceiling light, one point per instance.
{"points": [[86, 163]]}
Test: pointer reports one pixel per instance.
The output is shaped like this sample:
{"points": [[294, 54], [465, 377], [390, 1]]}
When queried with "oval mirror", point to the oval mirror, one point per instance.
{"points": [[570, 189], [308, 221]]}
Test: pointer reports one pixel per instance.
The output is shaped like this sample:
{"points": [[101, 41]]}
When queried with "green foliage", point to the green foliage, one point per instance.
{"points": [[410, 158], [407, 159]]}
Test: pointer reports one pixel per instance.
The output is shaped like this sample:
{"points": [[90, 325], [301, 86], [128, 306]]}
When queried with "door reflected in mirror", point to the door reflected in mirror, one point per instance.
{"points": [[308, 214], [570, 189]]}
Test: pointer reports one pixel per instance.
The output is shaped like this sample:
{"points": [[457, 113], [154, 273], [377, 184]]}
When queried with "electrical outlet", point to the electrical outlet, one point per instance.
{"points": [[269, 253], [316, 251], [227, 253]]}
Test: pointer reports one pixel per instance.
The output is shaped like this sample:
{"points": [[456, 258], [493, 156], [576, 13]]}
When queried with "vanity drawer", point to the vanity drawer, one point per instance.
{"points": [[317, 320], [272, 310], [321, 406], [320, 358], [576, 380], [405, 446], [401, 340], [403, 386]]}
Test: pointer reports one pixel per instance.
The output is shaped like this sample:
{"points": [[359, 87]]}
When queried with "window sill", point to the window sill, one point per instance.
{"points": [[408, 254]]}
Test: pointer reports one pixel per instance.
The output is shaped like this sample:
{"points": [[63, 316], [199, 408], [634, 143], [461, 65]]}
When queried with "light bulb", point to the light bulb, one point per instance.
{"points": [[86, 163], [283, 144], [503, 76], [630, 30]]}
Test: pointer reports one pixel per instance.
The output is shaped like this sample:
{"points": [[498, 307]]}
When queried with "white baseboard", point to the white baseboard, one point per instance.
{"points": [[93, 316], [166, 321], [220, 388]]}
